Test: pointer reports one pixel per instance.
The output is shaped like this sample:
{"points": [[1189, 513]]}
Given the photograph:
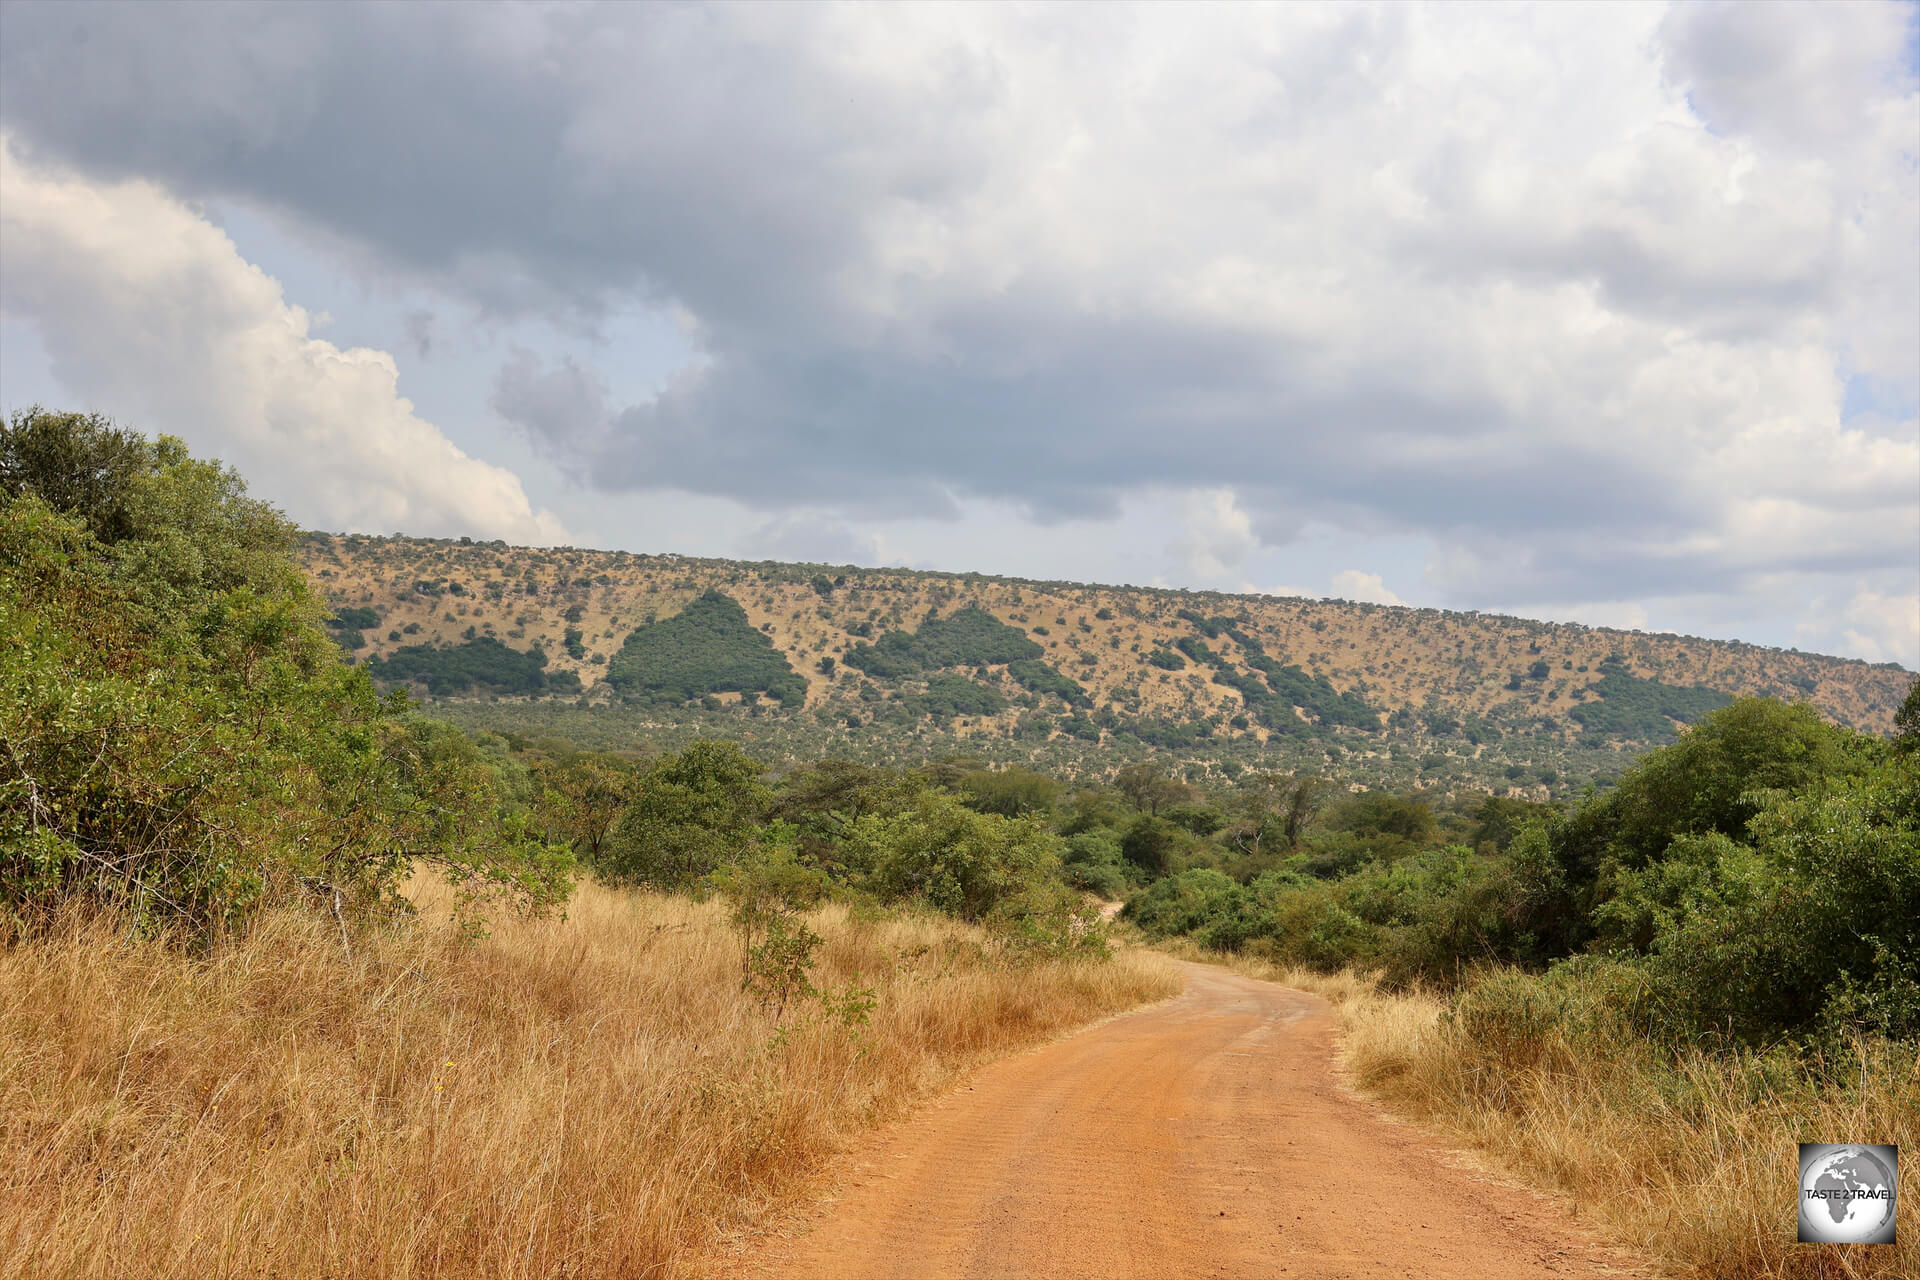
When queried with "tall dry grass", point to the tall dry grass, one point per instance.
{"points": [[1690, 1159], [588, 1097]]}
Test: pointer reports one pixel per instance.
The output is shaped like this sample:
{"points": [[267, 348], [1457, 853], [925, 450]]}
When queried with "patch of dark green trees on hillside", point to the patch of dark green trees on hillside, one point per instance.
{"points": [[348, 624], [480, 665], [969, 637], [950, 694], [1643, 710], [709, 647]]}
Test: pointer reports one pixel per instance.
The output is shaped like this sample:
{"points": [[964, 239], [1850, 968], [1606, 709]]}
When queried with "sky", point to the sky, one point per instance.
{"points": [[1606, 314]]}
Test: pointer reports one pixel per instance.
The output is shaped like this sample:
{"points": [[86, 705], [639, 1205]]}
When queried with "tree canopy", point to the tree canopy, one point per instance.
{"points": [[178, 736]]}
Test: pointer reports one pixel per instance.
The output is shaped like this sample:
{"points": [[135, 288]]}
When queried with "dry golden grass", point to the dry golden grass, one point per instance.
{"points": [[1692, 1162], [588, 1097]]}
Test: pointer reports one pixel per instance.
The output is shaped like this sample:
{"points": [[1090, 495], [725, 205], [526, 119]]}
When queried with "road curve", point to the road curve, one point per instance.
{"points": [[1206, 1136]]}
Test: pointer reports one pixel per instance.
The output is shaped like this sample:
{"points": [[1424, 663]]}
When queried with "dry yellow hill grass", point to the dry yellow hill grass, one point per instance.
{"points": [[439, 591], [591, 1096]]}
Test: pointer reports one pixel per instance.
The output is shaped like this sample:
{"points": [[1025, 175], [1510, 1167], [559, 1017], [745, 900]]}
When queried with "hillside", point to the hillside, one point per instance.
{"points": [[997, 660]]}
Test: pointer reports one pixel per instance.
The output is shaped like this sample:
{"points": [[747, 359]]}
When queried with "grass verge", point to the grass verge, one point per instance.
{"points": [[1689, 1157], [587, 1097]]}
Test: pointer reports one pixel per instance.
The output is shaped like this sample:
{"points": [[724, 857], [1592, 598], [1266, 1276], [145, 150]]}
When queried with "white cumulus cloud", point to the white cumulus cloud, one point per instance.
{"points": [[1597, 303], [1885, 627], [1217, 536], [147, 309], [1356, 584]]}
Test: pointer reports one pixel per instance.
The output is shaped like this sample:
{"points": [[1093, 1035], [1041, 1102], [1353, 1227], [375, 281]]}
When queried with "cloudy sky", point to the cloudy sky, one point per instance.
{"points": [[1598, 313]]}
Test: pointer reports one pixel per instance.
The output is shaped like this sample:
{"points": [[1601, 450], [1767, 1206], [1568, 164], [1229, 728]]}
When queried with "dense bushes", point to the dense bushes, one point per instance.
{"points": [[709, 647], [686, 816], [1814, 918], [948, 695], [942, 853], [709, 817], [1040, 677], [178, 738], [1091, 860], [1643, 710], [1759, 878], [970, 637], [482, 663]]}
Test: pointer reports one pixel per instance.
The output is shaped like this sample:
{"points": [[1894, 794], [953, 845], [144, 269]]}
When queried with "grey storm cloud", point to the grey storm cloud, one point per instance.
{"points": [[1570, 309]]}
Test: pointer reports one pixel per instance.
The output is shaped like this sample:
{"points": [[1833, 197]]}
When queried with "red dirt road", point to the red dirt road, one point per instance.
{"points": [[1206, 1136]]}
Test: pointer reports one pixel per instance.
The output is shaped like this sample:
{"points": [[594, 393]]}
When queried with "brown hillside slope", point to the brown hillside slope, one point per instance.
{"points": [[439, 591]]}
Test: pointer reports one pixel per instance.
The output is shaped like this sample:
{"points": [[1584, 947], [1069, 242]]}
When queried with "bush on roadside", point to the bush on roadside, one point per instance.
{"points": [[179, 740], [1757, 880]]}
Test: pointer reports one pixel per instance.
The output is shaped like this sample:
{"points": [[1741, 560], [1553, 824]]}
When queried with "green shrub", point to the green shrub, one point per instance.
{"points": [[1150, 843], [1099, 879], [178, 740], [1184, 903], [687, 816], [1011, 792], [1091, 860], [1817, 921], [943, 854]]}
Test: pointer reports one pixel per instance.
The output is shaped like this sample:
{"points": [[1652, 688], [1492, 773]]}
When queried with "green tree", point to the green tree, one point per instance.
{"points": [[1147, 785], [1011, 792], [690, 814], [81, 465], [1906, 721], [1500, 818], [581, 798], [1817, 920], [956, 860], [178, 739], [1149, 844], [1711, 780], [1304, 800]]}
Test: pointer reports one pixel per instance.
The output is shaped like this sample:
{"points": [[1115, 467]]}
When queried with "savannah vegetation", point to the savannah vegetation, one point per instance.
{"points": [[1644, 998], [895, 666], [301, 982], [301, 959]]}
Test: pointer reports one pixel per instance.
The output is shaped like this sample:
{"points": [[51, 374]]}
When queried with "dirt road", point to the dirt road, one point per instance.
{"points": [[1202, 1137]]}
